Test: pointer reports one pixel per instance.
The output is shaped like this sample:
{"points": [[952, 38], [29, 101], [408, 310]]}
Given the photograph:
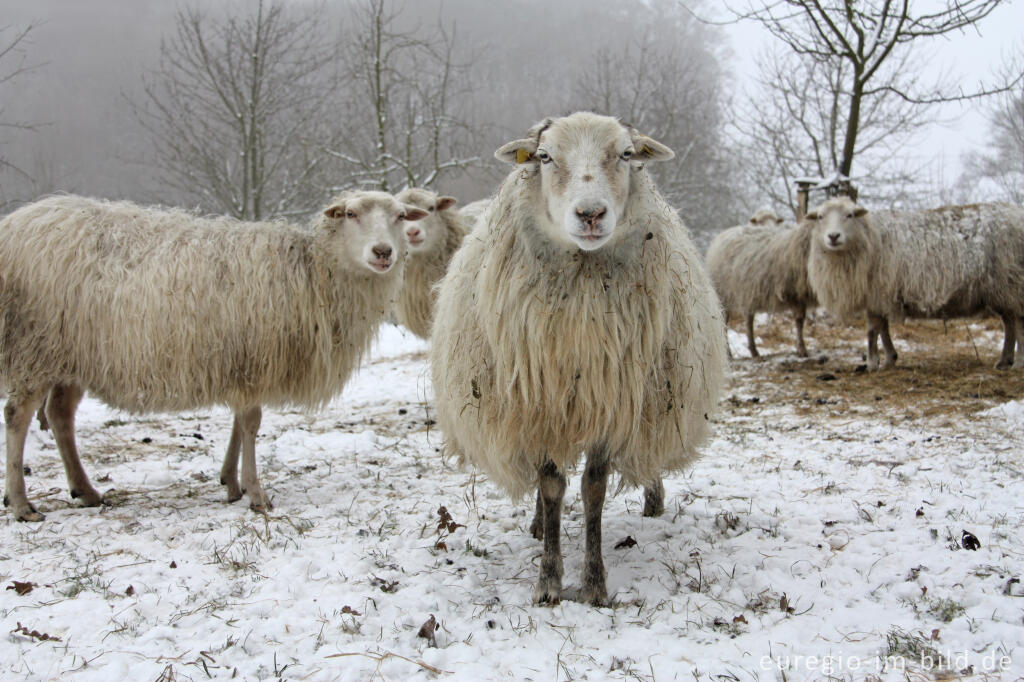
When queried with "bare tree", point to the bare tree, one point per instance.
{"points": [[406, 121], [1002, 164], [859, 62], [795, 127], [13, 64], [667, 81], [236, 106]]}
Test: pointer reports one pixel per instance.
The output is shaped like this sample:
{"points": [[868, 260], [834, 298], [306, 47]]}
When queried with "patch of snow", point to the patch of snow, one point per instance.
{"points": [[799, 546]]}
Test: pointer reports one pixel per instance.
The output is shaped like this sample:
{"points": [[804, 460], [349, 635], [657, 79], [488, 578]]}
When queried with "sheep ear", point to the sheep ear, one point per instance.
{"points": [[414, 213], [753, 222], [335, 211], [446, 203], [859, 211], [648, 149], [518, 151], [779, 221], [813, 215]]}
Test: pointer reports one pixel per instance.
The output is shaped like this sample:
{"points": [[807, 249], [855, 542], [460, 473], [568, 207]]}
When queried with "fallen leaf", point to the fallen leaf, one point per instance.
{"points": [[427, 631], [20, 587], [627, 542], [969, 541]]}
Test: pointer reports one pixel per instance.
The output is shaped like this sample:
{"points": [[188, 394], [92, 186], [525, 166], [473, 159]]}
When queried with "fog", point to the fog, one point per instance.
{"points": [[517, 62]]}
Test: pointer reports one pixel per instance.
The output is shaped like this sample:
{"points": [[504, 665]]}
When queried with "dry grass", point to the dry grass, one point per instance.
{"points": [[943, 369]]}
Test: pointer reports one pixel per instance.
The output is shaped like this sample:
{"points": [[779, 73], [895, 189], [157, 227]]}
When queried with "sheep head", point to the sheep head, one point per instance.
{"points": [[427, 235], [366, 229], [839, 225], [765, 217], [583, 165]]}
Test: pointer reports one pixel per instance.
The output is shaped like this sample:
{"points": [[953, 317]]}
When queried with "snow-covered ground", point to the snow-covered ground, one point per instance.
{"points": [[813, 539]]}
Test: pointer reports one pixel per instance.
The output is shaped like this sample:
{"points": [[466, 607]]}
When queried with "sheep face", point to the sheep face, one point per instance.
{"points": [[839, 226], [427, 235], [367, 229], [583, 164]]}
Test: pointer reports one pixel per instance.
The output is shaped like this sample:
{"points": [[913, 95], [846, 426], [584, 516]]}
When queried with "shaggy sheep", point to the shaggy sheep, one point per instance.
{"points": [[577, 317], [762, 266], [955, 261], [159, 310], [432, 242]]}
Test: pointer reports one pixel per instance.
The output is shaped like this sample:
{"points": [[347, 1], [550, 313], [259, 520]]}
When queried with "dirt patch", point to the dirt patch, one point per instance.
{"points": [[943, 369]]}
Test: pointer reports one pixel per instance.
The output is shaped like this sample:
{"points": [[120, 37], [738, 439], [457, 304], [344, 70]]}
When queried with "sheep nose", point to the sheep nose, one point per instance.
{"points": [[413, 232], [382, 252], [590, 216], [833, 237]]}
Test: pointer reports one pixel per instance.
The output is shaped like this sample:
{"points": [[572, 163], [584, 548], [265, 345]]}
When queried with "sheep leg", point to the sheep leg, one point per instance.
{"points": [[654, 505], [799, 315], [728, 348], [890, 350], [537, 525], [1009, 341], [595, 484], [750, 337], [552, 491], [874, 327], [229, 470], [654, 498], [61, 405], [249, 424], [17, 417]]}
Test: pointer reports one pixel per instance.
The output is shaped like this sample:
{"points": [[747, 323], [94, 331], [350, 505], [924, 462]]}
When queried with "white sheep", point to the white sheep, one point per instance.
{"points": [[160, 310], [954, 261], [577, 317], [762, 267], [432, 242]]}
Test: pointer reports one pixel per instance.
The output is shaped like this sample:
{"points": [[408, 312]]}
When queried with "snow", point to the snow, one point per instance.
{"points": [[800, 546]]}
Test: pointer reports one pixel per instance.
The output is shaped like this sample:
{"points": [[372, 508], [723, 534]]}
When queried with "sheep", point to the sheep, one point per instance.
{"points": [[159, 310], [432, 242], [954, 261], [762, 266], [578, 317]]}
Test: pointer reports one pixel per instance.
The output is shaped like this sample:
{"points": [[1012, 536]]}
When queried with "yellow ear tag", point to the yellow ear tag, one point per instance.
{"points": [[646, 150], [522, 156]]}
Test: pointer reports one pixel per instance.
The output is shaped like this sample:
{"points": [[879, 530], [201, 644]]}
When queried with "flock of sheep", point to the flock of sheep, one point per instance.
{"points": [[570, 313], [955, 261]]}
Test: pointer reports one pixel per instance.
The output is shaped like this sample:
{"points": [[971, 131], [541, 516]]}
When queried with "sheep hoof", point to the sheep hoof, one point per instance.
{"points": [[548, 591], [89, 498], [30, 514], [1004, 364], [594, 594], [537, 528], [235, 491], [260, 503]]}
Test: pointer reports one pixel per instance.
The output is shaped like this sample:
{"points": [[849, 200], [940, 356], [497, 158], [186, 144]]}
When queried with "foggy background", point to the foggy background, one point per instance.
{"points": [[83, 113]]}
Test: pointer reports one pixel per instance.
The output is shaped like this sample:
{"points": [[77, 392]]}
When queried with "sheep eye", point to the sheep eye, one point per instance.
{"points": [[544, 156], [627, 154], [850, 214], [350, 214], [431, 209], [402, 216]]}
